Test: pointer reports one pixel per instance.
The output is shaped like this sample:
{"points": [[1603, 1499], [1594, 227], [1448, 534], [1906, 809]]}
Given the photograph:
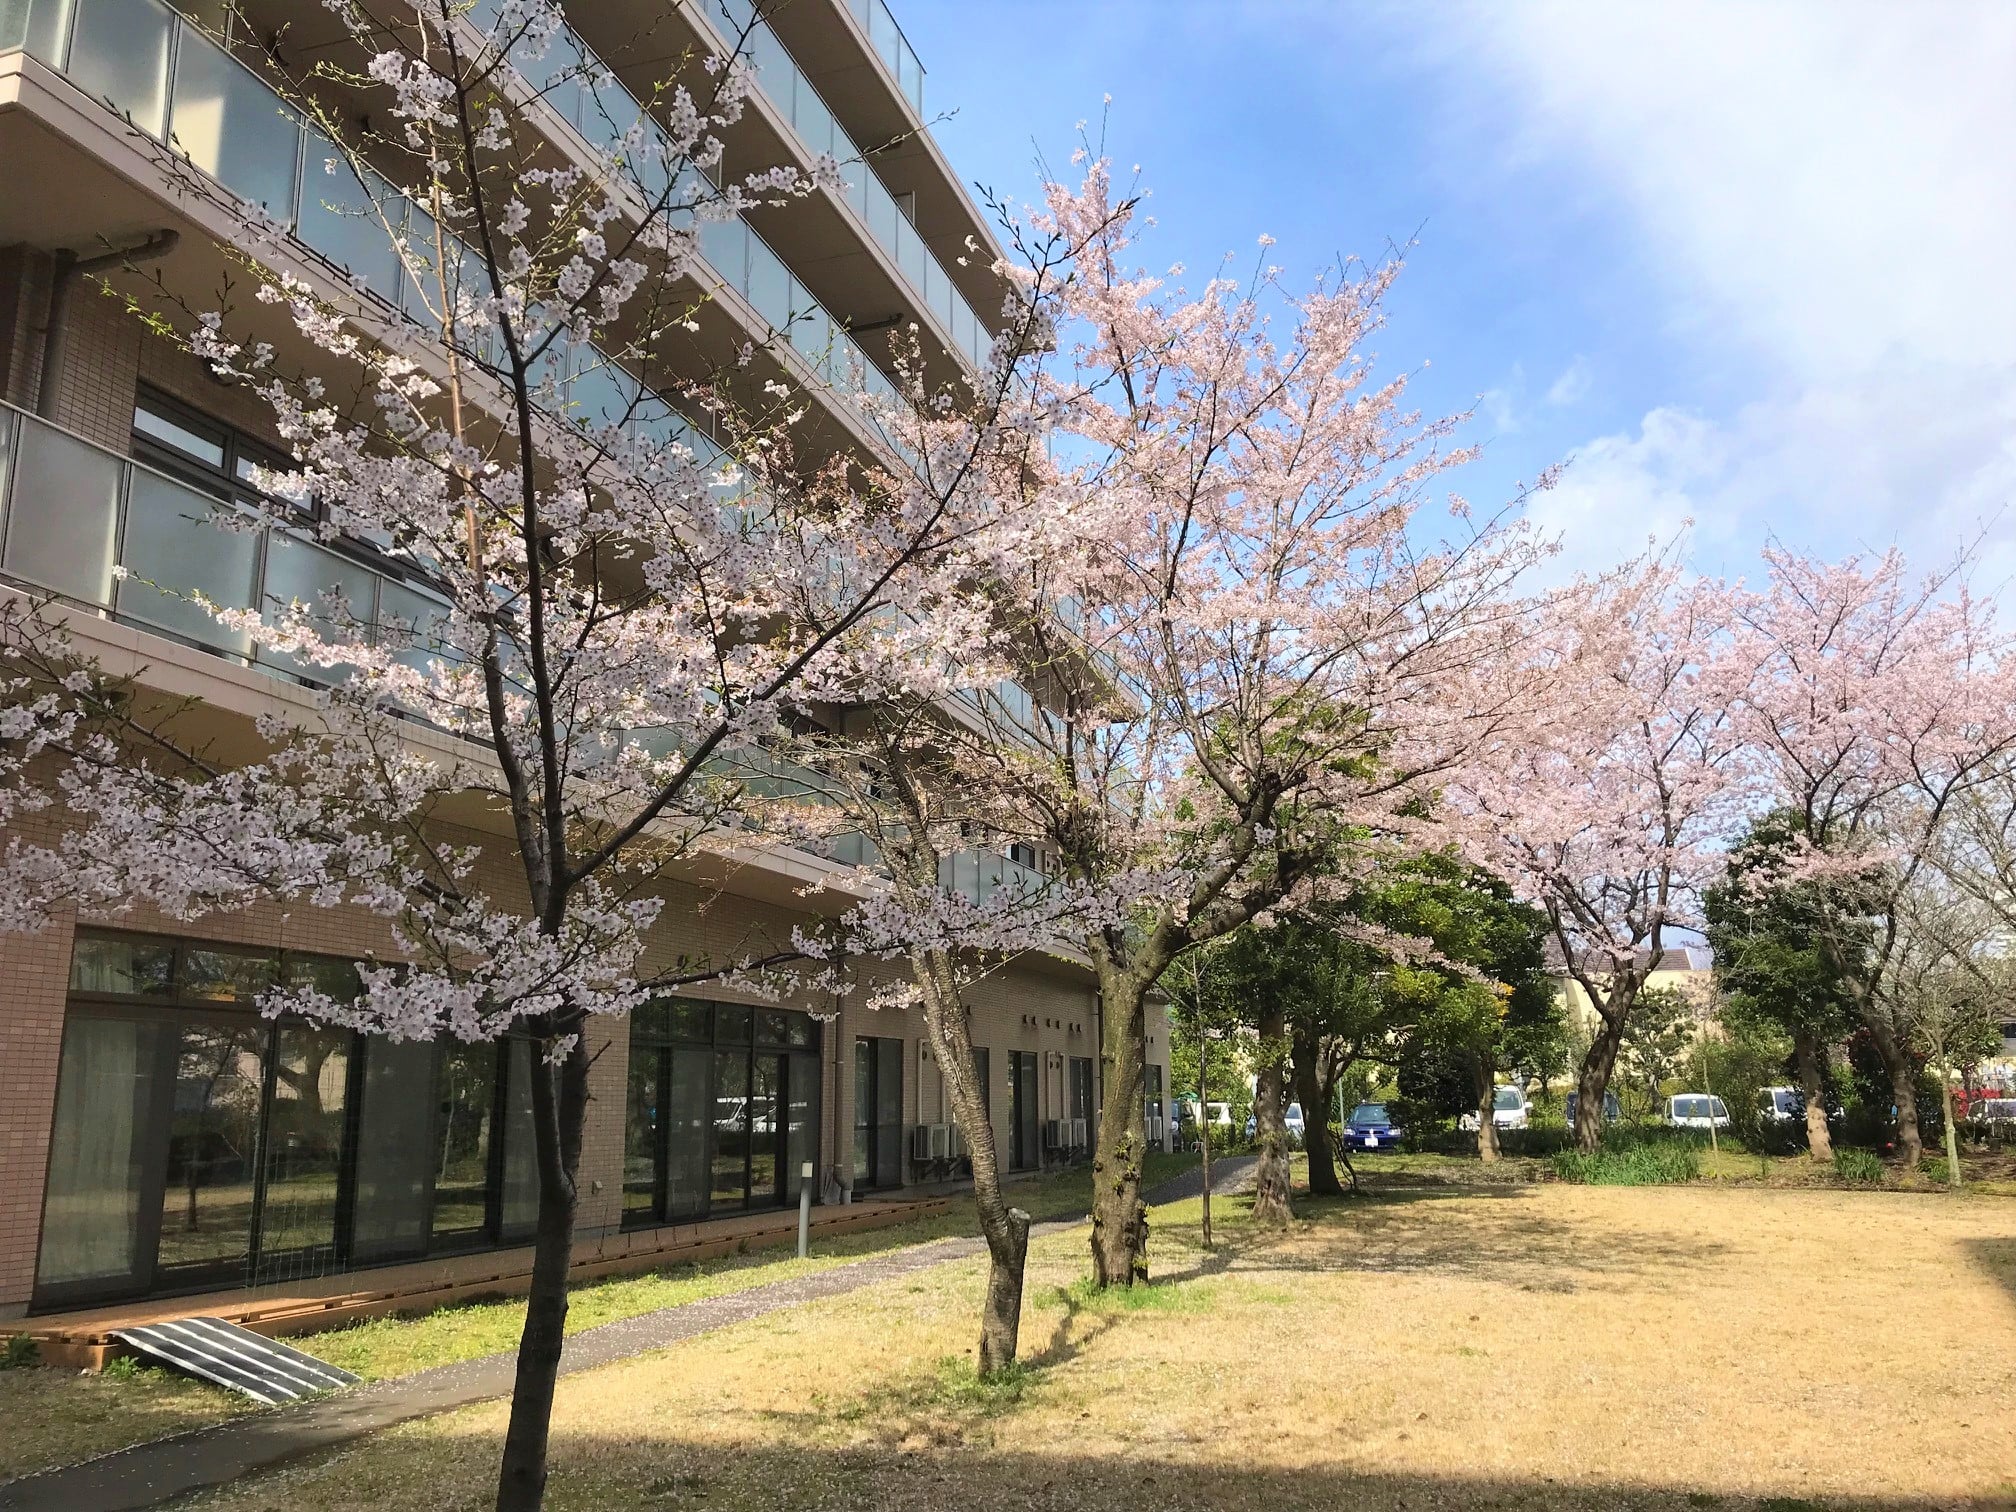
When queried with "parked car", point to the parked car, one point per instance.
{"points": [[1696, 1110], [1509, 1110], [1370, 1128], [1994, 1115], [1292, 1120], [1612, 1109], [1780, 1105]]}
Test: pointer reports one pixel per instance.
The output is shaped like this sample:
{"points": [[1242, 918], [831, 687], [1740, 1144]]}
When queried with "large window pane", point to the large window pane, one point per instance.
{"points": [[233, 127], [521, 1154], [221, 974], [688, 1116], [123, 965], [91, 1221], [174, 551], [119, 52], [766, 1089], [304, 1150], [467, 1095], [395, 1165], [213, 1148], [42, 26], [769, 287], [643, 1133], [62, 514], [731, 1129], [864, 1112]]}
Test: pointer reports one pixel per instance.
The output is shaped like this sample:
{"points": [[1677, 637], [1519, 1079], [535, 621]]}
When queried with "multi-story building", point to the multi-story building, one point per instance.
{"points": [[156, 1134]]}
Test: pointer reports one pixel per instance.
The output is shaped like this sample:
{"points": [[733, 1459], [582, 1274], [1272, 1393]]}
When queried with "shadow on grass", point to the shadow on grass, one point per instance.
{"points": [[1997, 1258], [596, 1472]]}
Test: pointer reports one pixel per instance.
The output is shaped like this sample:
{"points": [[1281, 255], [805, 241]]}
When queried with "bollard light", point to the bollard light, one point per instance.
{"points": [[804, 1207]]}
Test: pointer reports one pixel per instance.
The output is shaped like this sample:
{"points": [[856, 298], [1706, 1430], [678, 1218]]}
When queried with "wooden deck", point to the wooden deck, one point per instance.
{"points": [[82, 1340]]}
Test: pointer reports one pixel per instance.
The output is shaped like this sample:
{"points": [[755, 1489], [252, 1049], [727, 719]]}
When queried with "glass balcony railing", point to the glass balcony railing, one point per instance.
{"points": [[157, 69], [136, 544], [799, 101], [887, 39], [103, 530]]}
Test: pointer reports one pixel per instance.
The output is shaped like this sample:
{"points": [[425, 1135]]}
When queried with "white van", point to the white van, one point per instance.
{"points": [[1696, 1110], [1509, 1110]]}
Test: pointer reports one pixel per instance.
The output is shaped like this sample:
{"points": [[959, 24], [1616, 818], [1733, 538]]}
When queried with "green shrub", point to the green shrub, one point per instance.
{"points": [[1631, 1162], [1863, 1166], [18, 1351]]}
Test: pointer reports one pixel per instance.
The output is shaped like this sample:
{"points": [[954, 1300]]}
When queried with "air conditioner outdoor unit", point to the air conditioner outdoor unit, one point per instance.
{"points": [[957, 1150], [941, 1141], [1078, 1134], [1054, 1134], [920, 1142]]}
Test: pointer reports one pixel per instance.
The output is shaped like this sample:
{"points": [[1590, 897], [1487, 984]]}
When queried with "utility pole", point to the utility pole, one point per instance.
{"points": [[1204, 1120]]}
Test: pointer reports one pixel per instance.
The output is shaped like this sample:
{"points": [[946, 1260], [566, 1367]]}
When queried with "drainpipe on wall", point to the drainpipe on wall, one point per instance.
{"points": [[69, 268]]}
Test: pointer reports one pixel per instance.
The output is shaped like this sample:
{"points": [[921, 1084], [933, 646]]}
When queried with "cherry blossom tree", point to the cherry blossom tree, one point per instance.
{"points": [[614, 617], [1610, 809], [1261, 669], [1878, 705]]}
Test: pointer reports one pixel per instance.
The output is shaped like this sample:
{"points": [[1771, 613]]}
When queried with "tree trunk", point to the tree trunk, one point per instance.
{"points": [[1487, 1111], [1309, 1092], [1903, 1087], [559, 1113], [1272, 1181], [1119, 1218], [1594, 1081], [1819, 1142], [1005, 1228], [1952, 1135]]}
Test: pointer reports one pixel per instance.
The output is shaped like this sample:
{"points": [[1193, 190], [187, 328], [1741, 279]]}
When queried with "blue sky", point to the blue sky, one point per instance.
{"points": [[1750, 263]]}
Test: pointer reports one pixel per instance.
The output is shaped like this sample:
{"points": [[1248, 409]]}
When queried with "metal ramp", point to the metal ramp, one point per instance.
{"points": [[263, 1369]]}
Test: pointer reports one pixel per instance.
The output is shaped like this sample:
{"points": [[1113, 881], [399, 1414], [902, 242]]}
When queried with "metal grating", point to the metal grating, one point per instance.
{"points": [[260, 1368]]}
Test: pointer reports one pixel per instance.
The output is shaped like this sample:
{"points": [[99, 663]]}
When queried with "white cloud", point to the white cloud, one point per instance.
{"points": [[1572, 386], [1824, 189]]}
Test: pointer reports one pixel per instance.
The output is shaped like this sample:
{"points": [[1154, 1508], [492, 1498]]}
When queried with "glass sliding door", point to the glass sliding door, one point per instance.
{"points": [[303, 1165], [1022, 1110], [395, 1141], [97, 1224], [467, 1096], [878, 1112], [689, 1117], [731, 1131], [766, 1133], [644, 1135], [213, 1152], [519, 1200]]}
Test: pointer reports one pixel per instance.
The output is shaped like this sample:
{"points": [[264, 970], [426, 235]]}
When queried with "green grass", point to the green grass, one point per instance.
{"points": [[1864, 1167], [1651, 1163]]}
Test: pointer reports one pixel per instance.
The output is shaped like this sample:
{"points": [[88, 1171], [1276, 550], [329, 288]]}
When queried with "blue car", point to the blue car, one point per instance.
{"points": [[1369, 1128]]}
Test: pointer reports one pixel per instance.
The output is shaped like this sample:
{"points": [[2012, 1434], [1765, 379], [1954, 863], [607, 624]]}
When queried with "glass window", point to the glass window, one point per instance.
{"points": [[174, 551], [644, 1134], [220, 974], [213, 1148], [98, 1152], [119, 53], [233, 127], [1506, 1098], [520, 1200], [766, 1089], [731, 1130], [123, 965], [202, 444], [771, 1028], [395, 1163], [303, 1149], [298, 572], [467, 1097], [688, 1119], [731, 1023], [62, 514]]}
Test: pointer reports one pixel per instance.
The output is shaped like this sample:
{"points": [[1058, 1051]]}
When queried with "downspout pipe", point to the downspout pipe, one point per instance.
{"points": [[69, 268]]}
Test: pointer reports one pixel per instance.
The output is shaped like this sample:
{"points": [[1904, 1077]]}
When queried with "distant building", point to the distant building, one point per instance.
{"points": [[1688, 969]]}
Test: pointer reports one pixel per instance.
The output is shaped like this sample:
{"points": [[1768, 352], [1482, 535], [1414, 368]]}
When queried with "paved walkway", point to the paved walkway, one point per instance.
{"points": [[147, 1475]]}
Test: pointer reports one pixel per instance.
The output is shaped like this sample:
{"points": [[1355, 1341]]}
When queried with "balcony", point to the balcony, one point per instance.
{"points": [[154, 67]]}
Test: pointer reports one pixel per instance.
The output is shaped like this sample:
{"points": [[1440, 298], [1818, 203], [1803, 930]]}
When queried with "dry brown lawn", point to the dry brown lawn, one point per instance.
{"points": [[1529, 1346]]}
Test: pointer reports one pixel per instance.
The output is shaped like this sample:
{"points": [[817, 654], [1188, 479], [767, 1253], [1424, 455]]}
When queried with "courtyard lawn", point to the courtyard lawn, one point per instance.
{"points": [[1536, 1345], [57, 1417]]}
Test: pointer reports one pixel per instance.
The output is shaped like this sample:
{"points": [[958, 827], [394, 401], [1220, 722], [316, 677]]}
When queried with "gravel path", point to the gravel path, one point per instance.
{"points": [[1229, 1174], [147, 1475]]}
